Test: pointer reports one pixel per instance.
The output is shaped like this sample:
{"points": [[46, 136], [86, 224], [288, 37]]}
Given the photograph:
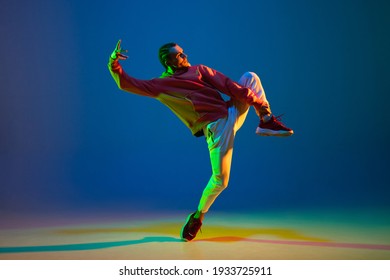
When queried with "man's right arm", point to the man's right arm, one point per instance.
{"points": [[126, 82]]}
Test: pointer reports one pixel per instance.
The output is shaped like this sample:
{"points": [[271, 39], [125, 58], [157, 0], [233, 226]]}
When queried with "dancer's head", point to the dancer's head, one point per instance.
{"points": [[172, 57]]}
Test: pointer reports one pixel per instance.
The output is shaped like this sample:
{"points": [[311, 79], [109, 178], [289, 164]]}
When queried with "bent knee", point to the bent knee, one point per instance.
{"points": [[251, 80], [250, 76], [221, 182]]}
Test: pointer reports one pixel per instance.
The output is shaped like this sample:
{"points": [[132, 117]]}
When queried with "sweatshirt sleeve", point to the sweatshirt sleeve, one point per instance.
{"points": [[227, 86], [130, 84]]}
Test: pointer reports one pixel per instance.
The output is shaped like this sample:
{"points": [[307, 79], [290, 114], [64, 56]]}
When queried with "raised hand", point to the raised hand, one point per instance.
{"points": [[118, 52]]}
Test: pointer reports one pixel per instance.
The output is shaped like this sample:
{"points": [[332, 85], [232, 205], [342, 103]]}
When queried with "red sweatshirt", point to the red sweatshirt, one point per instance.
{"points": [[191, 93]]}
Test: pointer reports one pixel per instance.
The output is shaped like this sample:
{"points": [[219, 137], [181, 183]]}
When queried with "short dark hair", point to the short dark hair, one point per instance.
{"points": [[163, 53]]}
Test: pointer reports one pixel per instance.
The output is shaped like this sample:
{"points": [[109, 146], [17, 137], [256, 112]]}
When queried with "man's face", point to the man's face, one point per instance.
{"points": [[177, 58]]}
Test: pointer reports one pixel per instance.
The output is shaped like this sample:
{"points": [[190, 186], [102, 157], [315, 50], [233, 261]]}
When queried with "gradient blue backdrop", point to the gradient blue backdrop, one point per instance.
{"points": [[71, 140]]}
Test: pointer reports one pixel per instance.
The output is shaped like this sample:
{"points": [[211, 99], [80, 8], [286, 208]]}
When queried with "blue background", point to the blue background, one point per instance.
{"points": [[72, 141]]}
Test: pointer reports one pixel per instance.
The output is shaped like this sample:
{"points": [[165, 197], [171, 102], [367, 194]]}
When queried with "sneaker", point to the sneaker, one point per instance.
{"points": [[273, 127], [190, 228]]}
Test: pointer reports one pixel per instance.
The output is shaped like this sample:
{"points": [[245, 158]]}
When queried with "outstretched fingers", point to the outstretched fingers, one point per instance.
{"points": [[119, 52], [121, 55]]}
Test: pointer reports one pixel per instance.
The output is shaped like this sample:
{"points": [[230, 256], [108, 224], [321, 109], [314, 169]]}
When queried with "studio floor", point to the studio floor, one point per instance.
{"points": [[288, 235]]}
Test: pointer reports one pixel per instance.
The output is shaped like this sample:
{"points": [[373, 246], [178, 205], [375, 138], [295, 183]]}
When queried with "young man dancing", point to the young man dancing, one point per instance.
{"points": [[193, 93]]}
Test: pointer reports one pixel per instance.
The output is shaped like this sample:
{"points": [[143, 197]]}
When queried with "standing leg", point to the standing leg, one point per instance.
{"points": [[220, 139], [221, 151]]}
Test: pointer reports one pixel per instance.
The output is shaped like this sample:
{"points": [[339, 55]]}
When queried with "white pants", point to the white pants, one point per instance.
{"points": [[220, 139]]}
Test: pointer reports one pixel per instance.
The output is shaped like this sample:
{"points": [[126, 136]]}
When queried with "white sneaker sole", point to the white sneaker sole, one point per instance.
{"points": [[269, 132]]}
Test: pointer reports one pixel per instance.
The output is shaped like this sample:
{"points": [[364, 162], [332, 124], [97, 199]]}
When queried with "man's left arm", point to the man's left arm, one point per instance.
{"points": [[231, 88]]}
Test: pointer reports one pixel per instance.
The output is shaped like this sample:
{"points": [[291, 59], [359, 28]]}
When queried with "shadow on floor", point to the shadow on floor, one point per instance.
{"points": [[159, 239], [211, 233], [86, 246]]}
